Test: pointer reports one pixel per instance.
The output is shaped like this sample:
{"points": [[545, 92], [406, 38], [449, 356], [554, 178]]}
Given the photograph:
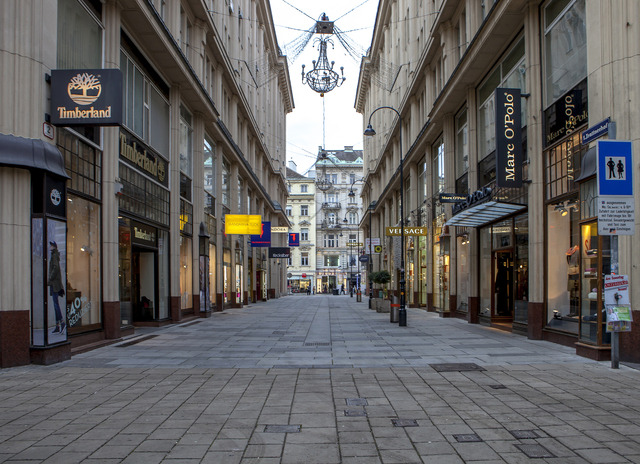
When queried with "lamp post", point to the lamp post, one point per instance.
{"points": [[369, 132], [370, 208]]}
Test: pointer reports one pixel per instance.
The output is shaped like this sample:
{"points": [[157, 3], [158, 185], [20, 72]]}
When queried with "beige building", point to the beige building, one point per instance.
{"points": [[339, 239], [300, 210], [494, 100], [115, 222]]}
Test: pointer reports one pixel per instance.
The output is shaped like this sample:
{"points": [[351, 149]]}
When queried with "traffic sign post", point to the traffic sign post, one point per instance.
{"points": [[616, 206]]}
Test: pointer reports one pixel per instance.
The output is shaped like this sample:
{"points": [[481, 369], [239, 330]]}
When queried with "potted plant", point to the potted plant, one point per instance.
{"points": [[382, 278]]}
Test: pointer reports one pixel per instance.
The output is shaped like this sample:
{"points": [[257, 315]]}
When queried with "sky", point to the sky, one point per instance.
{"points": [[342, 125]]}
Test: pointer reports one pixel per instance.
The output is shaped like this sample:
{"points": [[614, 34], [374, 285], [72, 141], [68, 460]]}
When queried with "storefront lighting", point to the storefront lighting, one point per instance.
{"points": [[561, 209], [573, 204]]}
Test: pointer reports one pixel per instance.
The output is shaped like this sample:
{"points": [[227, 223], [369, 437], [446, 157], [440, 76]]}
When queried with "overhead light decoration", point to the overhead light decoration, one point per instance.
{"points": [[322, 78]]}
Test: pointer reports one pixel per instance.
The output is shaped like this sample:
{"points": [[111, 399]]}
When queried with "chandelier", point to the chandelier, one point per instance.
{"points": [[322, 78]]}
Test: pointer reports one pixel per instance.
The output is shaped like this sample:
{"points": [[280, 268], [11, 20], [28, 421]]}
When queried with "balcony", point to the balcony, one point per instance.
{"points": [[325, 225], [331, 205]]}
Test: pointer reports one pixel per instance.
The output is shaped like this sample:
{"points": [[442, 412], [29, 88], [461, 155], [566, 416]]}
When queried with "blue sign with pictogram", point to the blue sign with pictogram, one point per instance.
{"points": [[294, 239], [264, 239], [615, 168]]}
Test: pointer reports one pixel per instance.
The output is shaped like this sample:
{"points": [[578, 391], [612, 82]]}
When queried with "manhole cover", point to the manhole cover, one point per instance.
{"points": [[355, 412], [498, 387], [404, 422], [456, 367], [523, 434], [467, 438], [535, 451], [357, 402], [282, 429]]}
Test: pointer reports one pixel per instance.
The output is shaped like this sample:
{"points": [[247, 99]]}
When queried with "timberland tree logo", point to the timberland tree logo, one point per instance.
{"points": [[84, 88], [86, 97]]}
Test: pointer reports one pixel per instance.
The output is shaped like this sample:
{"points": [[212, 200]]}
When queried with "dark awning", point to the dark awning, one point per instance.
{"points": [[484, 213], [31, 154], [589, 164]]}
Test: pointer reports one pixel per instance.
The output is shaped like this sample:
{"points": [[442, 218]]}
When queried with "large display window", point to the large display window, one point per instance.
{"points": [[83, 265], [186, 273]]}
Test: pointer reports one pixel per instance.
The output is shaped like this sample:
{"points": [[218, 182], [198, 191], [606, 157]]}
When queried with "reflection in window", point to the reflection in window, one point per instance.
{"points": [[83, 264], [186, 273]]}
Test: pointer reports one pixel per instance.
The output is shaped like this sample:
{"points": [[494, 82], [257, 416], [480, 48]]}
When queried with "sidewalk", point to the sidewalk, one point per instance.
{"points": [[321, 379]]}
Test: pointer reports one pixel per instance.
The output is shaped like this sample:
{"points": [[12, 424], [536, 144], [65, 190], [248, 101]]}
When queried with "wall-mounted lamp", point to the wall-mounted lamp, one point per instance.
{"points": [[561, 209], [573, 204]]}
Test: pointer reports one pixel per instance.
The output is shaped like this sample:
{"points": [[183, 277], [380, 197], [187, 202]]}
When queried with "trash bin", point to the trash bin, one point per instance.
{"points": [[336, 291], [394, 313], [359, 296]]}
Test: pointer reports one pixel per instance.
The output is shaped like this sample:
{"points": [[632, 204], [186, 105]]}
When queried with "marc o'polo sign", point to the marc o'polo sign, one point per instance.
{"points": [[86, 97], [508, 138]]}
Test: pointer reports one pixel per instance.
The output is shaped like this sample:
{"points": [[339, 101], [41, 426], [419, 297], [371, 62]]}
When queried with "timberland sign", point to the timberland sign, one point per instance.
{"points": [[397, 231], [89, 97], [142, 158]]}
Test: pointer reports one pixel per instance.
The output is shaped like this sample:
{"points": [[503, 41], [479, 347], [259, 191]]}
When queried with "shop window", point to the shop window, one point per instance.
{"points": [[332, 260], [563, 260], [83, 300], [186, 273], [565, 47], [83, 162], [462, 270], [595, 262], [212, 274], [143, 197]]}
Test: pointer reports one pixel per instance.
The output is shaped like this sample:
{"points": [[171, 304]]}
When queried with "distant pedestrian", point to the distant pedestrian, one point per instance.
{"points": [[342, 290], [309, 290]]}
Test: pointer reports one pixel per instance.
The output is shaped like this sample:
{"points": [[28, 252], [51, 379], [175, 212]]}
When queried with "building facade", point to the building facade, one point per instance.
{"points": [[301, 206], [122, 225], [338, 214], [523, 256]]}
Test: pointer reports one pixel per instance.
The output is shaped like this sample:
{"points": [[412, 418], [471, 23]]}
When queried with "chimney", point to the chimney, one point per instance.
{"points": [[293, 166]]}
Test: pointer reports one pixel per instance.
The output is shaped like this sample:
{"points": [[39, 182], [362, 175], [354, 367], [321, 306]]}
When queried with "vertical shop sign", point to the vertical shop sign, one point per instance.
{"points": [[508, 138]]}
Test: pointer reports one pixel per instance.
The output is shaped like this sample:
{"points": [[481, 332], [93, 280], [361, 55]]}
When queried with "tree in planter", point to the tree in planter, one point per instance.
{"points": [[382, 277]]}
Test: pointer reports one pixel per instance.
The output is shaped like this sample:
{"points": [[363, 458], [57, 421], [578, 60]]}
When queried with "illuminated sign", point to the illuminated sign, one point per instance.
{"points": [[242, 224], [86, 97], [294, 239], [397, 231]]}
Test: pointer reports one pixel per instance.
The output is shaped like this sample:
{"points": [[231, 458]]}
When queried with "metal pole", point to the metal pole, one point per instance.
{"points": [[402, 315], [370, 252]]}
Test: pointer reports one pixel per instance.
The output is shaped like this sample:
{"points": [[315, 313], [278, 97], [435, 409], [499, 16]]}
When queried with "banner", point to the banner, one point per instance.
{"points": [[508, 138], [279, 252], [294, 239]]}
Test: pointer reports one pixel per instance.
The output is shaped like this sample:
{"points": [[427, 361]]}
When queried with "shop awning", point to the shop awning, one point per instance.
{"points": [[589, 165], [31, 154], [484, 213]]}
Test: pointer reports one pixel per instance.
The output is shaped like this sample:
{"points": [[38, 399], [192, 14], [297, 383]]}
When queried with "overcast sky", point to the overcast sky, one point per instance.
{"points": [[342, 125]]}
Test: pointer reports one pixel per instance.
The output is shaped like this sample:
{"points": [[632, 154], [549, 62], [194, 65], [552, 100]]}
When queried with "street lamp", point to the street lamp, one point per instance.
{"points": [[369, 132], [370, 208]]}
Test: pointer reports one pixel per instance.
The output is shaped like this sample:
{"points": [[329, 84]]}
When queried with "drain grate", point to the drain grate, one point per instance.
{"points": [[357, 402], [278, 332], [456, 367], [535, 451], [317, 344], [282, 428], [404, 422], [136, 341], [467, 438], [524, 434], [355, 412], [498, 387]]}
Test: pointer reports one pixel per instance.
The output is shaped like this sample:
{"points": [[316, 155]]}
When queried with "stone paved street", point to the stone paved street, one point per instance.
{"points": [[321, 379]]}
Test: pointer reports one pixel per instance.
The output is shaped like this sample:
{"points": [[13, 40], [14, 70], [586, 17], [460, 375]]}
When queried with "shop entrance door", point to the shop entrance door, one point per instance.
{"points": [[503, 285], [143, 284]]}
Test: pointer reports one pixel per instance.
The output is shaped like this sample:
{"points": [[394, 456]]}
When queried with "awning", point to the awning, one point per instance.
{"points": [[589, 164], [484, 213], [31, 154]]}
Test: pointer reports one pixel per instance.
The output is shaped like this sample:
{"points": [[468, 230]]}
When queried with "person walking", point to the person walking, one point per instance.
{"points": [[55, 285]]}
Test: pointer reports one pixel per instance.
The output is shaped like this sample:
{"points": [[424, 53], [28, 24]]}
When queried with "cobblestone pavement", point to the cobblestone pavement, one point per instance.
{"points": [[321, 379]]}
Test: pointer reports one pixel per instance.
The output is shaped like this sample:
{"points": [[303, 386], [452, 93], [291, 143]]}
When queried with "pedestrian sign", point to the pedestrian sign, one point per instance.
{"points": [[615, 168]]}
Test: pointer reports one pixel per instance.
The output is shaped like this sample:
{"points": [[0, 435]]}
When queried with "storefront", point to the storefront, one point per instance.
{"points": [[143, 229]]}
